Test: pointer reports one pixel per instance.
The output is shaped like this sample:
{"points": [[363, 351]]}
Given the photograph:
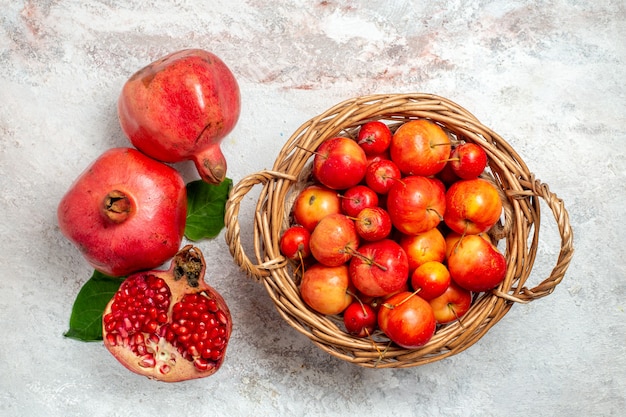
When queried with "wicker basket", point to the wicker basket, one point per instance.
{"points": [[519, 229]]}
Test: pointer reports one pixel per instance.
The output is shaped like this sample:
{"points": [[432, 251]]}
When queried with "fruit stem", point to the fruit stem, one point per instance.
{"points": [[458, 319], [408, 297], [309, 151], [116, 206], [438, 214], [365, 259], [360, 303], [450, 160]]}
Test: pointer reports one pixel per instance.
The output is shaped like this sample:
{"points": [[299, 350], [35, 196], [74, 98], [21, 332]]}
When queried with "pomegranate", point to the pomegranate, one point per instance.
{"points": [[169, 325], [126, 212], [181, 107]]}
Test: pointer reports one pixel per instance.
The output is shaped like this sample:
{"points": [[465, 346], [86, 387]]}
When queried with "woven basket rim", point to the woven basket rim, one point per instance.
{"points": [[519, 230]]}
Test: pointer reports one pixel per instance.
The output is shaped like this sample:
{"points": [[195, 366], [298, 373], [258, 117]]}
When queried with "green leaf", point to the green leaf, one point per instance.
{"points": [[86, 318], [206, 206]]}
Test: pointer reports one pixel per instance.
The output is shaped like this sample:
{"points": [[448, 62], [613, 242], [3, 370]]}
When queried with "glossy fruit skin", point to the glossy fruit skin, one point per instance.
{"points": [[381, 268], [373, 223], [416, 204], [469, 160], [326, 289], [295, 243], [476, 265], [380, 175], [424, 247], [374, 137], [452, 304], [142, 325], [181, 107], [453, 238], [472, 206], [432, 279], [339, 163], [356, 198], [119, 239], [420, 147], [334, 239], [360, 319], [314, 203], [407, 319]]}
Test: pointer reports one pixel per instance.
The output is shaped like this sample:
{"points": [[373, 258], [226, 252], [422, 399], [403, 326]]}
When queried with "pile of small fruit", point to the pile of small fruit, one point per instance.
{"points": [[391, 233]]}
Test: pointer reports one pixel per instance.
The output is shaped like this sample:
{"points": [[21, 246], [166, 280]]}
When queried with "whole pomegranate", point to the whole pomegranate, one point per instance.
{"points": [[126, 212], [168, 325], [181, 107]]}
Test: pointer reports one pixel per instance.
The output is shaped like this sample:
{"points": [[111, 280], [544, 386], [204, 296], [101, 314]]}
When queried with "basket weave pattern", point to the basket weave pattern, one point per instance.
{"points": [[519, 229]]}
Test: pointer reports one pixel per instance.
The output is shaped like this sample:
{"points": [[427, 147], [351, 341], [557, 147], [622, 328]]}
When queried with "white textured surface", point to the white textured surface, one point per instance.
{"points": [[548, 76]]}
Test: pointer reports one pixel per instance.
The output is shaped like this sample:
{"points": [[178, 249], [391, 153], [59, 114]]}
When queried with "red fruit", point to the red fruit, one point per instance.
{"points": [[407, 319], [356, 198], [468, 160], [447, 175], [423, 247], [379, 268], [416, 204], [126, 212], [360, 319], [476, 265], [295, 243], [373, 223], [314, 203], [334, 240], [452, 304], [420, 147], [431, 279], [181, 107], [327, 289], [374, 137], [168, 325], [472, 206], [339, 163], [381, 175]]}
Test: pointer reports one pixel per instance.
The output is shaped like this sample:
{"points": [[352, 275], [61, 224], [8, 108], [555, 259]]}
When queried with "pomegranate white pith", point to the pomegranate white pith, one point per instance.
{"points": [[169, 325]]}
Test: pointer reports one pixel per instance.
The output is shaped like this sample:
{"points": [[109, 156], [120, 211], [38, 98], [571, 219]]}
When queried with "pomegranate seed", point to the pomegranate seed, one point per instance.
{"points": [[147, 361], [218, 343], [190, 298], [111, 339], [212, 306], [214, 332], [217, 354], [222, 317], [206, 353], [202, 364], [180, 330], [150, 327]]}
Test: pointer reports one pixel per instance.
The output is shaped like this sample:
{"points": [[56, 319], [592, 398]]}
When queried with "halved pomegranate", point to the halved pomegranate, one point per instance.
{"points": [[169, 325]]}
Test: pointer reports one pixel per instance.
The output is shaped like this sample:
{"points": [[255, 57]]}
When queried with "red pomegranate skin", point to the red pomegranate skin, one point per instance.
{"points": [[125, 213], [181, 107]]}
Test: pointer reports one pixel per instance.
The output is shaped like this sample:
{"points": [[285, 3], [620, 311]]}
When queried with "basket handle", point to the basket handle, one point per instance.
{"points": [[536, 188], [231, 221]]}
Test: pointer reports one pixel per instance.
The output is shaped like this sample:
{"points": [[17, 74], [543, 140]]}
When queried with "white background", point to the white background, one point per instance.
{"points": [[548, 76]]}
